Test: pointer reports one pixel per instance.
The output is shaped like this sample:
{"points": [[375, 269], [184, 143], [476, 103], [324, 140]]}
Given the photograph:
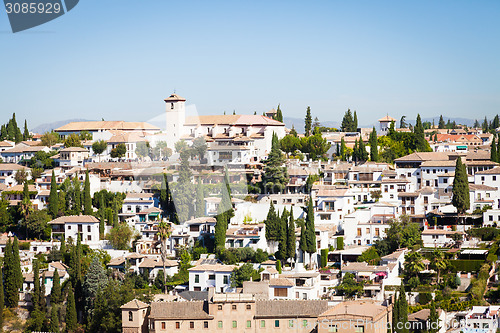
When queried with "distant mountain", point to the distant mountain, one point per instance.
{"points": [[298, 123], [43, 128]]}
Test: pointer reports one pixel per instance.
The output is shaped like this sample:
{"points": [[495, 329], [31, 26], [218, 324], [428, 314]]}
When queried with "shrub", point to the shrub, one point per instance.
{"points": [[340, 243], [424, 298], [464, 265]]}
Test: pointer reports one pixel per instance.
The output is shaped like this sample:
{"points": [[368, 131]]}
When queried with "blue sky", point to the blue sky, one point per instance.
{"points": [[118, 59]]}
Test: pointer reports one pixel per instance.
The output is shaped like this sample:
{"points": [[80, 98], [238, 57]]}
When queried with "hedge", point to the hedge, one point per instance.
{"points": [[465, 265], [340, 243]]}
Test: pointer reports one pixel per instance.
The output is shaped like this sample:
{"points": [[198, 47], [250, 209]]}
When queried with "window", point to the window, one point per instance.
{"points": [[332, 328], [163, 325], [359, 231], [249, 307], [89, 237], [377, 232], [211, 277], [359, 329], [235, 324], [205, 324], [262, 323], [280, 292], [219, 307], [191, 324], [226, 279], [88, 228], [130, 316], [304, 323], [171, 106], [197, 278], [490, 217], [249, 323], [290, 323], [219, 324], [367, 231], [445, 180], [276, 323], [494, 177], [233, 307], [177, 325]]}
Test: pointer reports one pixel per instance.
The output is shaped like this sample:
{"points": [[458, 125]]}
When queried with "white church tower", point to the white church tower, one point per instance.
{"points": [[176, 117]]}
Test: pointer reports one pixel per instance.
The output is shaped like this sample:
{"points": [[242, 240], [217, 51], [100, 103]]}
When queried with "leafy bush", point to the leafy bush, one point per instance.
{"points": [[424, 298], [464, 265]]}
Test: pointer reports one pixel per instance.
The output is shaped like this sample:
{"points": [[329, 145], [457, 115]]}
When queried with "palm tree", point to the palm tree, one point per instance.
{"points": [[413, 263], [164, 232], [438, 262]]}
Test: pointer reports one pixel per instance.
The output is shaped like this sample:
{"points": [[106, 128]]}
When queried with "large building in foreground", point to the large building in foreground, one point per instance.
{"points": [[244, 313]]}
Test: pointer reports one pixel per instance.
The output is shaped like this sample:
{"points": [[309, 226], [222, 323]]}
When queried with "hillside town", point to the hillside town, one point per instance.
{"points": [[234, 222]]}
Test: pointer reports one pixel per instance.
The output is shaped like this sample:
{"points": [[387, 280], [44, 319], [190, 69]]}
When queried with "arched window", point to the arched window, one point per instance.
{"points": [[130, 316]]}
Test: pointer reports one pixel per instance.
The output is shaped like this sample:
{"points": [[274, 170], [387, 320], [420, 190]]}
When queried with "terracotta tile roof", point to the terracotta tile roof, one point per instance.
{"points": [[290, 308], [175, 98], [480, 187], [75, 219], [438, 164], [232, 120], [424, 156], [74, 149], [215, 268], [368, 308], [492, 171], [11, 167], [387, 118], [280, 282], [179, 310], [134, 304]]}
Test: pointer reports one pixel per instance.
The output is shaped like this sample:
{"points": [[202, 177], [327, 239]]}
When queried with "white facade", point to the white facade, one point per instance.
{"points": [[202, 277]]}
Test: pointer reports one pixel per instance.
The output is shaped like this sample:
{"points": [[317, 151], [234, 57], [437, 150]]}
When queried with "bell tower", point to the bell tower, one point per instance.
{"points": [[175, 119]]}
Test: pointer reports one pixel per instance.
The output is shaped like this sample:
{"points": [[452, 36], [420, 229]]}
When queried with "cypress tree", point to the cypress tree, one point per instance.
{"points": [[343, 149], [460, 190], [275, 174], [493, 151], [35, 297], [53, 197], [373, 145], [355, 152], [403, 311], [87, 200], [200, 200], [310, 229], [348, 122], [2, 304], [26, 134], [282, 236], [11, 290], [279, 115], [308, 122], [418, 130], [70, 310], [17, 263], [77, 209], [224, 214], [55, 293], [42, 299], [395, 314], [355, 123], [290, 239], [363, 154], [433, 320], [441, 124], [54, 320], [270, 223], [302, 241]]}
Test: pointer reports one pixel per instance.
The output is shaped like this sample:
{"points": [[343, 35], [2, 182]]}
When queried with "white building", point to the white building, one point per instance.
{"points": [[85, 226], [202, 277]]}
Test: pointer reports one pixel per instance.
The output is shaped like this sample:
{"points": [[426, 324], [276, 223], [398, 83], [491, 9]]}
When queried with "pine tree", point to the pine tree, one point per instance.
{"points": [[373, 145], [95, 279], [493, 151], [71, 319], [348, 122], [53, 197], [87, 200], [308, 122], [275, 174], [55, 293], [460, 190], [290, 238], [200, 200], [54, 320], [441, 124]]}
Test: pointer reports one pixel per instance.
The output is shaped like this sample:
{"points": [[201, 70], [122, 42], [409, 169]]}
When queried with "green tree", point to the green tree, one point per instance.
{"points": [[243, 273], [37, 225], [95, 279], [99, 147], [2, 301], [290, 238], [282, 235], [224, 214], [53, 197], [315, 145], [26, 134], [10, 277], [119, 151], [349, 287], [403, 310], [71, 319], [438, 263], [184, 194], [402, 122], [164, 232], [72, 140], [373, 142], [343, 149], [199, 147], [271, 224], [460, 190], [308, 122], [433, 320], [279, 115], [290, 144], [348, 123], [420, 143], [310, 232], [413, 264], [54, 320], [87, 199], [493, 151], [120, 236], [35, 296], [55, 293], [275, 174], [142, 149], [200, 200], [441, 124], [17, 264]]}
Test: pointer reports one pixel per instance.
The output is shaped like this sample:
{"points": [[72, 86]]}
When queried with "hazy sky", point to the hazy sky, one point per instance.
{"points": [[118, 59]]}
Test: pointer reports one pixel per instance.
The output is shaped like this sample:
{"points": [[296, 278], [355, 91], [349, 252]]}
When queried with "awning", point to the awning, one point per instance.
{"points": [[154, 214]]}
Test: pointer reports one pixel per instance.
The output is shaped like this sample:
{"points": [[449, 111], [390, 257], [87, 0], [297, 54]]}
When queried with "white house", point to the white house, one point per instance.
{"points": [[201, 277], [85, 226]]}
